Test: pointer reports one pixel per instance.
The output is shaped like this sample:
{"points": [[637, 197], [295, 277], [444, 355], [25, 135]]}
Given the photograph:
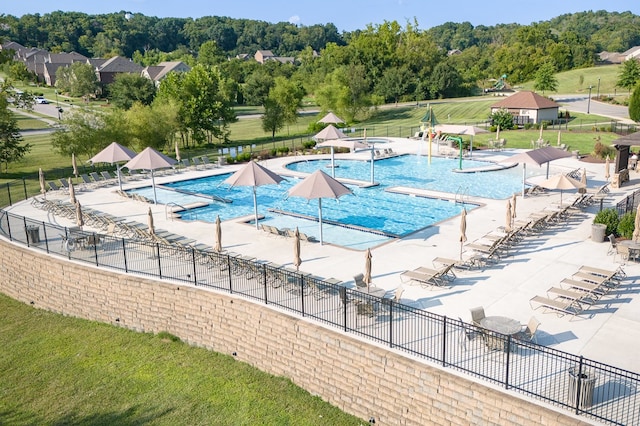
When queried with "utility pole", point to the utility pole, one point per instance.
{"points": [[589, 100], [598, 91]]}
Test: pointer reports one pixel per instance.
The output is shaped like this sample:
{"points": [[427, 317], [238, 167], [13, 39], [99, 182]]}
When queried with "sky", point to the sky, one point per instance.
{"points": [[347, 15]]}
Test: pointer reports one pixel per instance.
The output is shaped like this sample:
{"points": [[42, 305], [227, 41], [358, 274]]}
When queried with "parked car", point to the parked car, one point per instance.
{"points": [[41, 100]]}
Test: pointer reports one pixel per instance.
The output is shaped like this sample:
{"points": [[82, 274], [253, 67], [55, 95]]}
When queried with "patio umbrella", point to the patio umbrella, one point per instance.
{"points": [[72, 192], [583, 181], [607, 172], [560, 182], [79, 218], [177, 149], [113, 154], [498, 133], [331, 118], [74, 164], [508, 217], [513, 206], [328, 133], [254, 175], [367, 268], [537, 157], [319, 185], [150, 159], [218, 246], [636, 229], [340, 143], [43, 185], [541, 130], [463, 229], [151, 227], [296, 249]]}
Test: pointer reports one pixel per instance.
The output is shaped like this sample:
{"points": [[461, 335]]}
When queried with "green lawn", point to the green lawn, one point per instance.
{"points": [[59, 370]]}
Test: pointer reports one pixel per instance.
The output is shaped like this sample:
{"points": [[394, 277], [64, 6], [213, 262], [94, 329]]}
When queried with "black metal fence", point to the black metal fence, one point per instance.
{"points": [[629, 204], [590, 388]]}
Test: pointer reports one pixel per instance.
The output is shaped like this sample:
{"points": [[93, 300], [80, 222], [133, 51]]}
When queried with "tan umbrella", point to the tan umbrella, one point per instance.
{"points": [[508, 217], [72, 192], [561, 182], [150, 159], [607, 172], [319, 185], [329, 133], [541, 129], [218, 246], [296, 250], [367, 268], [513, 206], [43, 185], [583, 181], [74, 164], [152, 229], [112, 154], [177, 148], [463, 229], [498, 133], [331, 118], [254, 175], [636, 229], [79, 218]]}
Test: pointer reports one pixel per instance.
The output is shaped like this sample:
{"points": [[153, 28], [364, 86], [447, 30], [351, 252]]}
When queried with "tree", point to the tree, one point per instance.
{"points": [[634, 104], [19, 71], [288, 94], [502, 118], [86, 132], [545, 78], [273, 117], [11, 148], [130, 88], [445, 81], [78, 79], [629, 74], [393, 84]]}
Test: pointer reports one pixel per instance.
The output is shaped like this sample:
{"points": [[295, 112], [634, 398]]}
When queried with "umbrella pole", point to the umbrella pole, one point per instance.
{"points": [[153, 183], [524, 178], [372, 172], [320, 218], [333, 165], [118, 170], [547, 169], [255, 206]]}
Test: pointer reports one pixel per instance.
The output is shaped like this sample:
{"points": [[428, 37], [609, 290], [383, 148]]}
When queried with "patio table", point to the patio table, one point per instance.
{"points": [[500, 324]]}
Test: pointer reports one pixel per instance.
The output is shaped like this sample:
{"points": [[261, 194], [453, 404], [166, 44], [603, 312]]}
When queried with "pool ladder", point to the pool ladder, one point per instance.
{"points": [[462, 195], [170, 214]]}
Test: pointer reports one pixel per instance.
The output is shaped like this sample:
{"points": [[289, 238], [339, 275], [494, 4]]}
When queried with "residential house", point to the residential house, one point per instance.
{"points": [[158, 72], [263, 56], [110, 68], [528, 107]]}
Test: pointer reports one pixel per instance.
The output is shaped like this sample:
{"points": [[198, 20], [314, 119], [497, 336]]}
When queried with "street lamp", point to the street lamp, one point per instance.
{"points": [[589, 100], [57, 104], [598, 91]]}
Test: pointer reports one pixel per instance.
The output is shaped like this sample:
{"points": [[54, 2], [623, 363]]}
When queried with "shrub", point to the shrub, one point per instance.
{"points": [[528, 126], [601, 151], [627, 225], [308, 144], [283, 150], [608, 217], [243, 157]]}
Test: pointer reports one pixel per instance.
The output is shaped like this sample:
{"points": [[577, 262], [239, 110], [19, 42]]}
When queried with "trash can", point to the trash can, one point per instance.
{"points": [[222, 160], [587, 386], [597, 232], [33, 234]]}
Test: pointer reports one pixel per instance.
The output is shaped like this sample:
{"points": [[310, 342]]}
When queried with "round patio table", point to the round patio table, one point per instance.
{"points": [[499, 324]]}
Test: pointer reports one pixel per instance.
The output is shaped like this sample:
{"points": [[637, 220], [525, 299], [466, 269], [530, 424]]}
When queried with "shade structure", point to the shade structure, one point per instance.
{"points": [[177, 149], [636, 229], [150, 225], [367, 267], [328, 133], [79, 218], [352, 144], [463, 229], [74, 164], [607, 168], [560, 182], [113, 154], [254, 175], [536, 157], [43, 185], [297, 261], [508, 217], [319, 185], [150, 159], [218, 246], [331, 118], [72, 192]]}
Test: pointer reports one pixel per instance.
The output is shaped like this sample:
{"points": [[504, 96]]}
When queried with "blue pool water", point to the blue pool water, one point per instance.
{"points": [[372, 208]]}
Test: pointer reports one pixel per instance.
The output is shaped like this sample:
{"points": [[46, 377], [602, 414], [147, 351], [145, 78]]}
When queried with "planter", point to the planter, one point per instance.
{"points": [[598, 231]]}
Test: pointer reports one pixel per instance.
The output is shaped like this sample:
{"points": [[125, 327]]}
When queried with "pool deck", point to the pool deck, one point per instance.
{"points": [[608, 332]]}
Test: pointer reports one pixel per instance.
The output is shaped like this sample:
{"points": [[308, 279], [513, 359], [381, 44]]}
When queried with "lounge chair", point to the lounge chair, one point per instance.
{"points": [[207, 163], [186, 163], [64, 183], [196, 162], [107, 176], [308, 238], [359, 280], [53, 186], [616, 275], [423, 278], [556, 306]]}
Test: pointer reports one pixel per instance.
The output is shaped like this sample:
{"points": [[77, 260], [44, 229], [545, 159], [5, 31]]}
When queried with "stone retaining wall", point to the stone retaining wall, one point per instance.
{"points": [[358, 376]]}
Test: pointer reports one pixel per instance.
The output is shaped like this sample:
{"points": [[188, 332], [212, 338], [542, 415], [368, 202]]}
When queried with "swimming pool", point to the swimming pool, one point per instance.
{"points": [[387, 214], [416, 172]]}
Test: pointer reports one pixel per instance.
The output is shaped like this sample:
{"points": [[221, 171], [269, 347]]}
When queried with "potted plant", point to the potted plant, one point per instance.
{"points": [[605, 223]]}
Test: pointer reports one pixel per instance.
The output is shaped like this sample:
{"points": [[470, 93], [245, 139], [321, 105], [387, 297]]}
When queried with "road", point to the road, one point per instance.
{"points": [[581, 103]]}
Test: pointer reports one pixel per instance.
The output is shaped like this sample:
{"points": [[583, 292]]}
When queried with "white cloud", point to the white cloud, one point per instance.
{"points": [[295, 20]]}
